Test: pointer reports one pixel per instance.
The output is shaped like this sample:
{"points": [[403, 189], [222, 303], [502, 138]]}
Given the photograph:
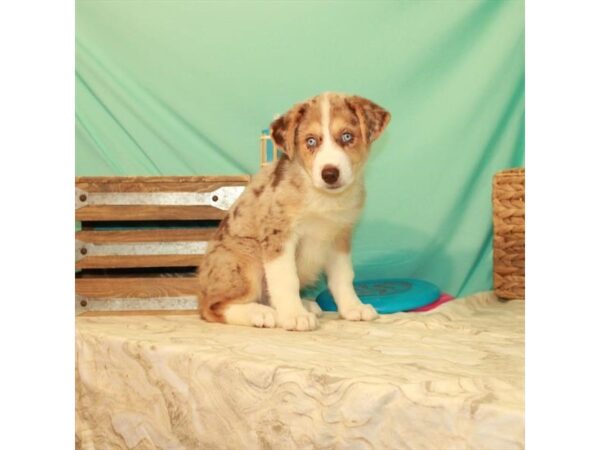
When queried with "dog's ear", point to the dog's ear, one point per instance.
{"points": [[373, 118], [283, 129]]}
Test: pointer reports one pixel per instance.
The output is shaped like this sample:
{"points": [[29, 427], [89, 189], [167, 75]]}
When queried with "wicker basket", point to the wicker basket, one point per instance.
{"points": [[509, 233]]}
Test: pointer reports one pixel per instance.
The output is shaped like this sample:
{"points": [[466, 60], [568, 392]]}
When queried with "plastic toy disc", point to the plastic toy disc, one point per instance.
{"points": [[389, 295]]}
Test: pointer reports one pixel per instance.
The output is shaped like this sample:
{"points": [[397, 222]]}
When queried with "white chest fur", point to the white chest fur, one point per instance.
{"points": [[325, 216], [343, 208]]}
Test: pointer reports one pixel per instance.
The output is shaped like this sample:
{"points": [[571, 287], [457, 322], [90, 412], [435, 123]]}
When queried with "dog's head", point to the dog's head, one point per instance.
{"points": [[330, 135]]}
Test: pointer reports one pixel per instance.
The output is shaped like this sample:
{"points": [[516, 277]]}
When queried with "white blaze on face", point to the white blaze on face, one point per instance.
{"points": [[330, 153]]}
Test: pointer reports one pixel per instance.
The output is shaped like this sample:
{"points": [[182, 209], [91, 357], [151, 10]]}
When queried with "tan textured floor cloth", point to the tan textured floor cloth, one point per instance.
{"points": [[451, 378]]}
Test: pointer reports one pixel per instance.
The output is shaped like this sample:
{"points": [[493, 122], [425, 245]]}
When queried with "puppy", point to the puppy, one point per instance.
{"points": [[295, 220]]}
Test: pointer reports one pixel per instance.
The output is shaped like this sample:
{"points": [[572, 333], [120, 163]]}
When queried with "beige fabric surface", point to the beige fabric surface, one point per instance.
{"points": [[451, 378]]}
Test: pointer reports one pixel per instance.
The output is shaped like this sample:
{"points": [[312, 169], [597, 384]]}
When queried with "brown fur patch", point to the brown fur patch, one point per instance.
{"points": [[343, 240], [279, 170], [275, 232], [296, 183], [284, 128], [223, 228], [278, 131], [259, 190], [309, 126], [345, 120], [372, 117]]}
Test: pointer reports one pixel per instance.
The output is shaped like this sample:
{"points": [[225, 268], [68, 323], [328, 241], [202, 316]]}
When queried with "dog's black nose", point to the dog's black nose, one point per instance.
{"points": [[330, 174]]}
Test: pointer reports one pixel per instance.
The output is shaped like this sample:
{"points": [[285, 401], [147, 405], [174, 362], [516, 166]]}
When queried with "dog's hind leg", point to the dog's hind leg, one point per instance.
{"points": [[231, 286]]}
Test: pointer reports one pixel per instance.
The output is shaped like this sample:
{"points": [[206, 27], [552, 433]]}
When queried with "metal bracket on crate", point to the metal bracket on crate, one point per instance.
{"points": [[85, 249], [221, 198], [87, 304]]}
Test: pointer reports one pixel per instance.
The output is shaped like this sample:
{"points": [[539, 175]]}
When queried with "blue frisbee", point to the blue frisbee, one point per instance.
{"points": [[388, 296]]}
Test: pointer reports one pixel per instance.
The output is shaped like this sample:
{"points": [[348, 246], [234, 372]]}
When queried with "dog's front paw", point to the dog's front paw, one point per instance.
{"points": [[263, 316], [302, 321], [359, 312]]}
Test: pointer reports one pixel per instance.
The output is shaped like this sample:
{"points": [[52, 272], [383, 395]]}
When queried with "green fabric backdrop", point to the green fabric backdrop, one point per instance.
{"points": [[184, 87]]}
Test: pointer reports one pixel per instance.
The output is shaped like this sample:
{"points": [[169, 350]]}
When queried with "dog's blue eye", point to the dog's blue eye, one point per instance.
{"points": [[311, 142], [346, 137]]}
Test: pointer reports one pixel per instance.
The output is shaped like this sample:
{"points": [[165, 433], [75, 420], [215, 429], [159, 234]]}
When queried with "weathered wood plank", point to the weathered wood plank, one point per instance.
{"points": [[167, 312], [163, 179], [146, 212], [141, 261], [157, 184], [155, 235], [136, 287]]}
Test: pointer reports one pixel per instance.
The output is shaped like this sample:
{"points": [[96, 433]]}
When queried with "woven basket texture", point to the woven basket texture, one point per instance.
{"points": [[508, 196]]}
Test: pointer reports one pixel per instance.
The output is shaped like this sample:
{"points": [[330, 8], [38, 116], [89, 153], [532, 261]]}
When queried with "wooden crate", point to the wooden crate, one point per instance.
{"points": [[142, 239]]}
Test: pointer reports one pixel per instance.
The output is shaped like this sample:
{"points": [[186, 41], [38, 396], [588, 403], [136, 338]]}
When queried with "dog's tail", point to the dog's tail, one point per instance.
{"points": [[211, 309]]}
